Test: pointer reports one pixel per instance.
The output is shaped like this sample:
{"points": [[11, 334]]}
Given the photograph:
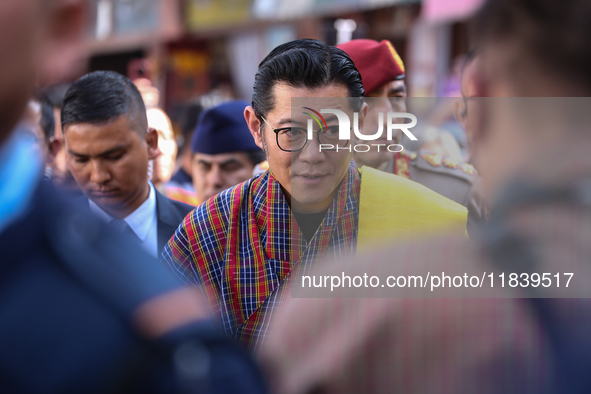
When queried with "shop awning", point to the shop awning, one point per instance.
{"points": [[204, 15]]}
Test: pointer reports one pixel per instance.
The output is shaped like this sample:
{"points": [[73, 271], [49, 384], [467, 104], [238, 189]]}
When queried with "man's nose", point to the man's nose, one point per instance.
{"points": [[99, 172], [311, 152], [215, 177]]}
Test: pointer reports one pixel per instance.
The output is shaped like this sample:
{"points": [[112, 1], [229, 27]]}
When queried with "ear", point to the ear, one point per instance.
{"points": [[63, 40], [53, 147], [254, 125], [151, 140], [362, 115], [460, 111]]}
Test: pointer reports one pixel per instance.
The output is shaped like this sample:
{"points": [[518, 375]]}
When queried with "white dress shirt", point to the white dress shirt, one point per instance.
{"points": [[143, 221]]}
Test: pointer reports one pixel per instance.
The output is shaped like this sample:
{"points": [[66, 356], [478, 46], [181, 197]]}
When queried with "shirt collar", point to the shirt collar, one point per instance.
{"points": [[274, 218], [143, 218], [140, 220]]}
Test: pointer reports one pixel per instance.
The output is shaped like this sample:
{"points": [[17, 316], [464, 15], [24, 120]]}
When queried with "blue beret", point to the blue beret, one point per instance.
{"points": [[223, 129]]}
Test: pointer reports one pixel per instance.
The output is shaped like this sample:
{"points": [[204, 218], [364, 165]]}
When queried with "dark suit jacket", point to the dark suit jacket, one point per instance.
{"points": [[69, 292], [170, 214]]}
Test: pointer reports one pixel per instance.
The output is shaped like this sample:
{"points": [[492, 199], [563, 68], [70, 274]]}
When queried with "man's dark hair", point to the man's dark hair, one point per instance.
{"points": [[47, 120], [304, 63], [101, 97], [552, 35], [255, 156]]}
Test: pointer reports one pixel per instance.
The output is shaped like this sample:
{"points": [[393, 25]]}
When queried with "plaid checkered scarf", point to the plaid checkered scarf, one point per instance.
{"points": [[241, 246]]}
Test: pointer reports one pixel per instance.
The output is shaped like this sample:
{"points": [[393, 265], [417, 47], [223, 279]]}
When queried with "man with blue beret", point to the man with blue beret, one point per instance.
{"points": [[224, 152]]}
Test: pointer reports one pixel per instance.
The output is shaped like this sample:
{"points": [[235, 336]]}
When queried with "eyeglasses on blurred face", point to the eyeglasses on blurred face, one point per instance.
{"points": [[294, 139]]}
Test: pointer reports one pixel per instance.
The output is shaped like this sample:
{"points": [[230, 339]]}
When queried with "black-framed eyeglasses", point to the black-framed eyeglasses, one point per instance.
{"points": [[294, 139]]}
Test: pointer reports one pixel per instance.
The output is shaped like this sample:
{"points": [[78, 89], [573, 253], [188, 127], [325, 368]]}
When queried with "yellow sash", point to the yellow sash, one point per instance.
{"points": [[392, 208]]}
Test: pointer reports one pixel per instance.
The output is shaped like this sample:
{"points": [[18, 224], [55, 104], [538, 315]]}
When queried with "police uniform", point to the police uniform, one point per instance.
{"points": [[453, 179], [379, 63]]}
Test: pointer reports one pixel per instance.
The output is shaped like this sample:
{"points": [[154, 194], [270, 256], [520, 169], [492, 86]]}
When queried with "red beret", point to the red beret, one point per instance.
{"points": [[377, 62]]}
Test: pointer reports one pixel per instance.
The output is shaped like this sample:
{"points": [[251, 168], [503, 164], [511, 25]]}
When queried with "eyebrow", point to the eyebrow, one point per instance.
{"points": [[329, 117], [102, 154], [283, 121], [228, 161], [400, 89]]}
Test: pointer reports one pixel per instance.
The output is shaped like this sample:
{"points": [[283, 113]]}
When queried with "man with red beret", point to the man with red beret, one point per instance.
{"points": [[382, 72]]}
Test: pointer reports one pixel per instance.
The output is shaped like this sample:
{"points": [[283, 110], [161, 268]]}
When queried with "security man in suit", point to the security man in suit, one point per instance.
{"points": [[109, 145], [382, 72]]}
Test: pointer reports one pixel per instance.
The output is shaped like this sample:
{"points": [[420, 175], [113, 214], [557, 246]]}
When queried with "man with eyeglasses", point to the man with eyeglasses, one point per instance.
{"points": [[243, 246]]}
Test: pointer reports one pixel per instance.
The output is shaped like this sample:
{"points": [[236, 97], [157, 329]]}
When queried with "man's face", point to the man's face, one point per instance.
{"points": [[215, 173], [309, 177], [166, 161], [390, 97], [110, 163]]}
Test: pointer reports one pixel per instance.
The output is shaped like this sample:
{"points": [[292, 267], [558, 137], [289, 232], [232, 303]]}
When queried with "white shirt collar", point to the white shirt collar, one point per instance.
{"points": [[140, 220]]}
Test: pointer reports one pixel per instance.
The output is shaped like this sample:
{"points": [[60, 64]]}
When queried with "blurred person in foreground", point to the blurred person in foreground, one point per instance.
{"points": [[83, 309], [224, 152], [109, 145], [383, 73], [242, 245], [518, 338]]}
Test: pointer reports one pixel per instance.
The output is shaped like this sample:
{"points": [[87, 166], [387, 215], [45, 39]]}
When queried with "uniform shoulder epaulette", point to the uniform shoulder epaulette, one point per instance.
{"points": [[435, 162], [468, 168], [434, 159], [451, 163]]}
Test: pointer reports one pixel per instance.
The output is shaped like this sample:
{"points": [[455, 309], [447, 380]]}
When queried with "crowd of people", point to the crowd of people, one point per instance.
{"points": [[130, 265]]}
